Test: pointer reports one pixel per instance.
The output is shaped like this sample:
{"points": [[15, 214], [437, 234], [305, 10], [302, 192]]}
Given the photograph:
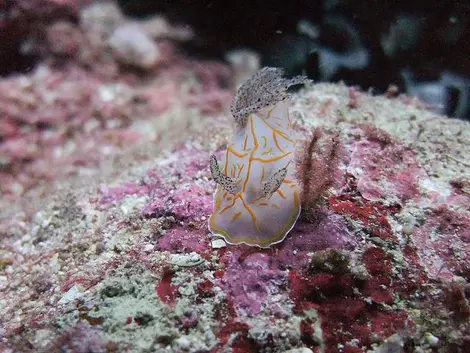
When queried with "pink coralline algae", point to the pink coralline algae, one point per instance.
{"points": [[55, 123], [385, 169], [106, 193], [256, 279], [167, 193], [179, 240], [253, 281], [444, 242]]}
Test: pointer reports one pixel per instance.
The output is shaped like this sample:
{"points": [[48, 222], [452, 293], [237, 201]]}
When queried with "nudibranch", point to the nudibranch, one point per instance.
{"points": [[257, 199]]}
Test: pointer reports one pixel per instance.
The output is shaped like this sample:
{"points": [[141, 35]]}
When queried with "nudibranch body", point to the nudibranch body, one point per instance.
{"points": [[257, 199]]}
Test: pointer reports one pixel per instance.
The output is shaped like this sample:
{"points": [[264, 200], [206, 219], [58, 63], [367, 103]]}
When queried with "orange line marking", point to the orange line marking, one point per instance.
{"points": [[253, 217], [237, 154], [276, 142], [240, 170], [226, 161], [283, 134], [231, 205], [235, 216], [269, 160], [268, 114], [255, 142], [267, 152]]}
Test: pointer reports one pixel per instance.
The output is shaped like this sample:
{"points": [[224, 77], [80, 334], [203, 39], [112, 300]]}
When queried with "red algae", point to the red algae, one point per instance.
{"points": [[372, 215], [166, 292], [443, 242], [108, 190], [385, 169]]}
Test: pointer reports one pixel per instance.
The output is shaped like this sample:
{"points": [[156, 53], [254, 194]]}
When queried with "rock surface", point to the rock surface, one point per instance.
{"points": [[106, 192]]}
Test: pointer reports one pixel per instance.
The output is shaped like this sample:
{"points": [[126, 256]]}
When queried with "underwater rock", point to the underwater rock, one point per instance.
{"points": [[105, 202]]}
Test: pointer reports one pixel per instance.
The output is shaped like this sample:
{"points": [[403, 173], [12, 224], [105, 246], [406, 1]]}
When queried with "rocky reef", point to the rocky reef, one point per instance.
{"points": [[106, 193]]}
